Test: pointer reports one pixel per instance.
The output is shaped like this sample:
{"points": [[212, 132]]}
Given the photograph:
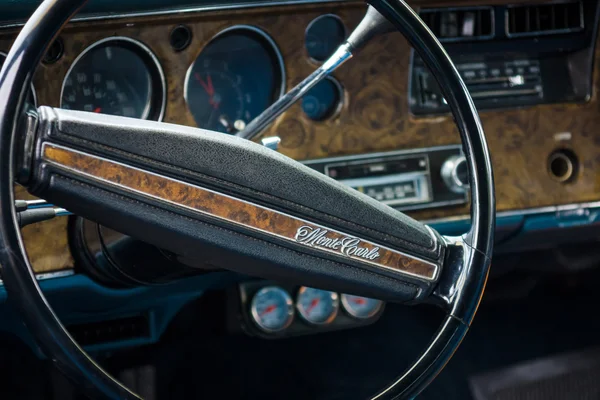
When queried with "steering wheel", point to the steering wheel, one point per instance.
{"points": [[268, 215]]}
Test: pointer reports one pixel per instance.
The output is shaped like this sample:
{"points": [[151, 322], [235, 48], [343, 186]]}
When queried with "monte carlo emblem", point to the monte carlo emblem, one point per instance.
{"points": [[346, 245]]}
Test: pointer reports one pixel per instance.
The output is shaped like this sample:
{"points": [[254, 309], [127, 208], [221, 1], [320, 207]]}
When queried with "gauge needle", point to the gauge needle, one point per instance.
{"points": [[313, 304], [360, 301], [208, 88], [227, 124], [269, 309], [98, 110]]}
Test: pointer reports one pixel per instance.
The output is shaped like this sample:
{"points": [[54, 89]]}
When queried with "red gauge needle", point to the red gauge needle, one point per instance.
{"points": [[211, 88], [268, 310], [359, 300], [313, 304], [98, 110], [208, 88]]}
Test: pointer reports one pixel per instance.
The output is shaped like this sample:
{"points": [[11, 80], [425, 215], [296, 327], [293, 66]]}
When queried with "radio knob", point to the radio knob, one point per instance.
{"points": [[455, 174]]}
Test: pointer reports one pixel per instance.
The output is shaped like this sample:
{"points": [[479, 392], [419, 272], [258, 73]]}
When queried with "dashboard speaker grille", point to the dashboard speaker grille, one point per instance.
{"points": [[544, 19]]}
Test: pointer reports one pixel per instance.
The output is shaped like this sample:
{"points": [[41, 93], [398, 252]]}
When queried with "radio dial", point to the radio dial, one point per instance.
{"points": [[456, 174]]}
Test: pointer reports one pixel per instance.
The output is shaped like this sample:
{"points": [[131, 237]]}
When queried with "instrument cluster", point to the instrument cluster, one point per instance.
{"points": [[274, 310], [236, 76]]}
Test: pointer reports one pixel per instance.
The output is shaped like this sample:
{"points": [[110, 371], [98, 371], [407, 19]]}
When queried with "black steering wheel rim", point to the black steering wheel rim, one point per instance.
{"points": [[19, 278]]}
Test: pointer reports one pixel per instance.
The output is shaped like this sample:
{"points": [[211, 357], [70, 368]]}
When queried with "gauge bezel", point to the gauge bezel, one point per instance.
{"points": [[289, 304], [311, 23], [3, 55], [338, 107], [348, 308], [330, 319], [241, 27], [342, 99], [156, 111]]}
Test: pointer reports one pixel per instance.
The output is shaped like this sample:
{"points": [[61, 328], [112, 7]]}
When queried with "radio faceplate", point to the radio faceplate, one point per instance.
{"points": [[405, 179]]}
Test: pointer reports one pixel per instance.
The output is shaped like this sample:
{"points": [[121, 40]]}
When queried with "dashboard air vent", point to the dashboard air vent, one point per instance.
{"points": [[460, 24], [544, 19]]}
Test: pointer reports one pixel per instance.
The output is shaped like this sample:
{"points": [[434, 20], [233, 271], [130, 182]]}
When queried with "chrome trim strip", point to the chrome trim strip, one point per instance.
{"points": [[182, 10], [50, 275], [353, 157], [307, 226], [143, 48], [523, 212], [433, 204]]}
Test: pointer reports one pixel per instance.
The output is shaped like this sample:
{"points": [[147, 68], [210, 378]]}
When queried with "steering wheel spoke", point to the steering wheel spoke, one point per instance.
{"points": [[265, 210]]}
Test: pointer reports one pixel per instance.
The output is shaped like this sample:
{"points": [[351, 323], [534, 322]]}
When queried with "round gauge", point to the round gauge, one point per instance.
{"points": [[272, 309], [317, 306], [323, 36], [31, 98], [236, 77], [361, 307], [324, 100], [116, 76]]}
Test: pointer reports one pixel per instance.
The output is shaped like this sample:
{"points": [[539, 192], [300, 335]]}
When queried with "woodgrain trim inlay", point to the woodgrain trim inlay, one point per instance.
{"points": [[236, 211]]}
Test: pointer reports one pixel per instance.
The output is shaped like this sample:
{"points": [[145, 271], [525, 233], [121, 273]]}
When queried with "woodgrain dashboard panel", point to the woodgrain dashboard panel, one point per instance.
{"points": [[375, 115], [46, 242]]}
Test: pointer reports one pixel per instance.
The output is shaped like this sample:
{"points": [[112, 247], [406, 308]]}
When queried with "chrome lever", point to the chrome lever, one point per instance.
{"points": [[271, 142], [33, 211], [373, 24]]}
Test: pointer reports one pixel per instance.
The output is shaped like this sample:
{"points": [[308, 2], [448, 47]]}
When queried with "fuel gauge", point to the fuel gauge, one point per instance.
{"points": [[272, 309], [317, 306]]}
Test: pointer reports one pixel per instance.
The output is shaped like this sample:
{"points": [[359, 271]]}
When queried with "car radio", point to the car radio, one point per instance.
{"points": [[405, 180]]}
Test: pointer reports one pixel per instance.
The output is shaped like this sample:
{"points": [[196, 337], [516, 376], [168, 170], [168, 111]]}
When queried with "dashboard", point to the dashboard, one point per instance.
{"points": [[379, 123], [219, 69]]}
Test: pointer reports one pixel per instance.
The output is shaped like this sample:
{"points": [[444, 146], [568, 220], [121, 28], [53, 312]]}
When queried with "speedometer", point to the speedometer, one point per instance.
{"points": [[235, 78], [116, 76]]}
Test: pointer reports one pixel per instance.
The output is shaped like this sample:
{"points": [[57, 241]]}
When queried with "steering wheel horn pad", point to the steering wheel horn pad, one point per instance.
{"points": [[273, 217]]}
